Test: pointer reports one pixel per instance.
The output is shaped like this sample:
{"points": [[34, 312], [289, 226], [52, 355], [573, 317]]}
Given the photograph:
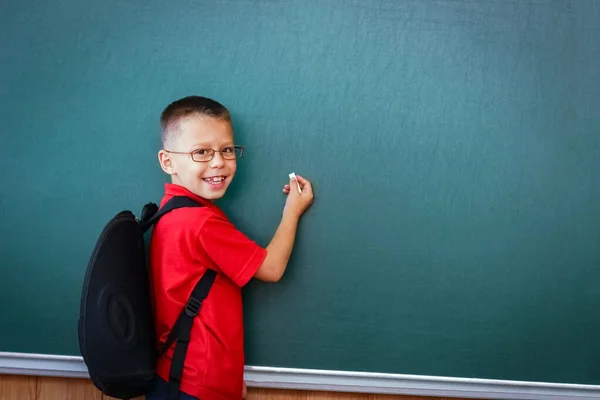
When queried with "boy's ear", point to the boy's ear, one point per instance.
{"points": [[166, 162]]}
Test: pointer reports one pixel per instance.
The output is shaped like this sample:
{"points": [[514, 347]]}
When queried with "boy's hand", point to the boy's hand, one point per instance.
{"points": [[297, 202], [280, 248]]}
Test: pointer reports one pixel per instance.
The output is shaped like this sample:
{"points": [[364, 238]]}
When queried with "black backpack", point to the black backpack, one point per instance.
{"points": [[116, 325]]}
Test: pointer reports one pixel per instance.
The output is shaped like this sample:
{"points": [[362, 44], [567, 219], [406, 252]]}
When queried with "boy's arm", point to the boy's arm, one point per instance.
{"points": [[280, 248]]}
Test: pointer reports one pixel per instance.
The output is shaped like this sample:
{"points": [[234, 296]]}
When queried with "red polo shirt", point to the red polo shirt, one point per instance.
{"points": [[185, 242]]}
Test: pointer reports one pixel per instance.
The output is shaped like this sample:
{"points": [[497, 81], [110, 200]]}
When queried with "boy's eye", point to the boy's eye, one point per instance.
{"points": [[202, 152], [228, 149]]}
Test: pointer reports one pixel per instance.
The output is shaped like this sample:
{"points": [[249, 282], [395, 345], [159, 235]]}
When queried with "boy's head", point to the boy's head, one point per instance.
{"points": [[197, 146]]}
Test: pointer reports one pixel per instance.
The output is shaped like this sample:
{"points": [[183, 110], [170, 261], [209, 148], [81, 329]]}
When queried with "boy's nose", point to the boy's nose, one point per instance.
{"points": [[217, 160]]}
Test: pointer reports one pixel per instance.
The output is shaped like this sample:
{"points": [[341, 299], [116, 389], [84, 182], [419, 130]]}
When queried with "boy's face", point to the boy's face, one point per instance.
{"points": [[208, 179]]}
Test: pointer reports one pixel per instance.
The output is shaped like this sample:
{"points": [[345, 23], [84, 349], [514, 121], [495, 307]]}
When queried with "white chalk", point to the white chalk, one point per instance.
{"points": [[293, 176]]}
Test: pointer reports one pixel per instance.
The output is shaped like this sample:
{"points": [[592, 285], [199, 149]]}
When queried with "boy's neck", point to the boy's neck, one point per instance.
{"points": [[177, 183]]}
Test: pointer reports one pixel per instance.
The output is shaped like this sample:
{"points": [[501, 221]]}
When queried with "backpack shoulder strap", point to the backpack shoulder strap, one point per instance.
{"points": [[181, 331], [151, 213]]}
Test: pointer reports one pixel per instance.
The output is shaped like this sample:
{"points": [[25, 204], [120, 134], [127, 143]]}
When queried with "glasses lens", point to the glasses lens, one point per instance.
{"points": [[239, 150], [202, 155], [232, 152]]}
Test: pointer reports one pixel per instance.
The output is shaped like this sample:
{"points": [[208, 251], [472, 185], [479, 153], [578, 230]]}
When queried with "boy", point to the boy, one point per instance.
{"points": [[200, 156]]}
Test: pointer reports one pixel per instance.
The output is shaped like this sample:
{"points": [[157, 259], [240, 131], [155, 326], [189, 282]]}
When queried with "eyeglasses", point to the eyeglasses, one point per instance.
{"points": [[205, 155]]}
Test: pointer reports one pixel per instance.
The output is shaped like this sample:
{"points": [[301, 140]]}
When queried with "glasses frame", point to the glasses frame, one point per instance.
{"points": [[191, 153]]}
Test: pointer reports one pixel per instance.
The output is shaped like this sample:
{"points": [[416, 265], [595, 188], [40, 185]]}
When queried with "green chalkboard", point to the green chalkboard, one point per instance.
{"points": [[454, 148]]}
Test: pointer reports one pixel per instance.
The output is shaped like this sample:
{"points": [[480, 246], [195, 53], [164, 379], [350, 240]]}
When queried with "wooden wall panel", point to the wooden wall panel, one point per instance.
{"points": [[66, 389], [48, 388], [273, 394], [18, 387]]}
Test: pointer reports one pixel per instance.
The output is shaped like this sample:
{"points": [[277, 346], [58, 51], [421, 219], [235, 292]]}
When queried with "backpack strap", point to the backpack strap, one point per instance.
{"points": [[151, 213], [181, 331]]}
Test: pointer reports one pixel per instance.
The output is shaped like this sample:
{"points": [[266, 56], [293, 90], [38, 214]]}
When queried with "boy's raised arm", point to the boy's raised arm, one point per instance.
{"points": [[280, 248]]}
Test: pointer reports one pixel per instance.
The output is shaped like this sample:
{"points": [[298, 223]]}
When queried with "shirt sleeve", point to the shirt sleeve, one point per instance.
{"points": [[234, 253]]}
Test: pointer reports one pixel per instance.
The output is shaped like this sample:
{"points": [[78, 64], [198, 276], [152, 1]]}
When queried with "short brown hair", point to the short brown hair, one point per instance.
{"points": [[185, 107]]}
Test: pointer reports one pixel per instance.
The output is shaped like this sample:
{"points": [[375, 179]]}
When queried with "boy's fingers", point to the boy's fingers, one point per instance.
{"points": [[295, 182], [306, 186], [301, 179]]}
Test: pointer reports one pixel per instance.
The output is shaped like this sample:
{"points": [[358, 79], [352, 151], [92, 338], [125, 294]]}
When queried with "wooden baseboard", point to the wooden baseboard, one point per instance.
{"points": [[15, 387], [278, 394], [322, 381], [18, 387]]}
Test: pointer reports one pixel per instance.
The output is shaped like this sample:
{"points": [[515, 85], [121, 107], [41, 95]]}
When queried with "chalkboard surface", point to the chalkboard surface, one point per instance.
{"points": [[454, 148]]}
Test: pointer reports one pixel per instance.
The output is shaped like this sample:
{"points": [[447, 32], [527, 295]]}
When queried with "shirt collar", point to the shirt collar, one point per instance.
{"points": [[172, 189]]}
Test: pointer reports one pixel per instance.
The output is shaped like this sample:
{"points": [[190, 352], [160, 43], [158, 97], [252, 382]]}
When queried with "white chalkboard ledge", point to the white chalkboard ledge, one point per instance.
{"points": [[336, 381]]}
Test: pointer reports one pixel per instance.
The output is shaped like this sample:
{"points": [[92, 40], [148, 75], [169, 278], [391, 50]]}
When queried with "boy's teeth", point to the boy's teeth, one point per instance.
{"points": [[215, 179]]}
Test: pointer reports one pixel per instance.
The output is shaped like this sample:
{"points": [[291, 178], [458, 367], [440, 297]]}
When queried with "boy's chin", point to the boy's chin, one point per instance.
{"points": [[211, 194], [204, 190]]}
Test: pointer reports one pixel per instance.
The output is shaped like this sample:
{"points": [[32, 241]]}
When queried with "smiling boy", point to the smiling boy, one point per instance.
{"points": [[199, 153]]}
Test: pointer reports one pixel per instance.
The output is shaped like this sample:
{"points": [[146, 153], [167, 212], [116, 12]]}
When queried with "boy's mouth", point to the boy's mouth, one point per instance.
{"points": [[214, 180]]}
